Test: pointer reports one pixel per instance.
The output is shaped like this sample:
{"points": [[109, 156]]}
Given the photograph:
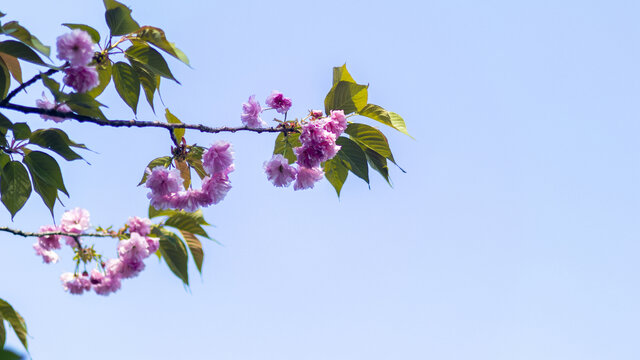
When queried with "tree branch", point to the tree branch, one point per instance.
{"points": [[24, 85], [140, 124], [47, 233]]}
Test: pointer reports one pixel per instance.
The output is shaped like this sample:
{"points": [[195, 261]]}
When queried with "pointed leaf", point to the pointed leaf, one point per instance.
{"points": [[174, 253], [3, 333], [347, 96], [148, 80], [15, 186], [388, 118], [354, 156], [16, 31], [48, 193], [15, 320], [186, 221], [104, 75], [127, 84], [119, 18], [195, 246], [57, 141], [21, 51], [13, 65], [163, 161], [21, 131], [378, 163], [151, 58], [157, 37], [336, 172], [340, 73], [5, 80], [85, 104], [370, 137], [46, 168], [172, 119]]}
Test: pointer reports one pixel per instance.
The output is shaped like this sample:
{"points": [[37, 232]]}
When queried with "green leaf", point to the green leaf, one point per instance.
{"points": [[285, 144], [119, 18], [104, 75], [127, 84], [163, 161], [54, 87], [347, 96], [340, 73], [185, 221], [48, 193], [5, 124], [336, 171], [388, 118], [370, 137], [4, 159], [195, 246], [95, 35], [3, 334], [16, 31], [151, 58], [21, 131], [15, 186], [150, 82], [354, 156], [5, 80], [57, 141], [174, 253], [378, 163], [156, 37], [13, 65], [85, 104], [172, 119], [9, 355], [21, 51], [194, 159], [46, 168]]}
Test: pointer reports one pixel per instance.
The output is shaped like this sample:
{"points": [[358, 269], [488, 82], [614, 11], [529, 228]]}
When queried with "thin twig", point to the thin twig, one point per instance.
{"points": [[47, 233], [24, 85], [137, 123]]}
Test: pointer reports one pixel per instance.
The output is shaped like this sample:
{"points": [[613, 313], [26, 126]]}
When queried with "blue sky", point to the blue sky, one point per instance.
{"points": [[513, 234]]}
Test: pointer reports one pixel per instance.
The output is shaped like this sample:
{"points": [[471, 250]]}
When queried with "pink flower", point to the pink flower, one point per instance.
{"points": [[160, 202], [278, 102], [214, 189], [104, 284], [75, 47], [307, 177], [153, 244], [81, 78], [163, 181], [279, 172], [75, 221], [135, 246], [217, 158], [316, 114], [125, 268], [48, 256], [48, 105], [49, 242], [337, 122], [318, 144], [138, 225], [75, 284], [251, 113]]}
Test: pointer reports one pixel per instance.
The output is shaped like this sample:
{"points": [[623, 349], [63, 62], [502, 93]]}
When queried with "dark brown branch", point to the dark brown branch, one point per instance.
{"points": [[25, 84], [137, 123], [47, 233]]}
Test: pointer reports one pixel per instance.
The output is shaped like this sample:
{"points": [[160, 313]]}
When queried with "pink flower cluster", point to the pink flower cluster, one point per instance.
{"points": [[130, 262], [251, 110], [74, 221], [318, 138], [48, 105], [166, 185], [76, 47]]}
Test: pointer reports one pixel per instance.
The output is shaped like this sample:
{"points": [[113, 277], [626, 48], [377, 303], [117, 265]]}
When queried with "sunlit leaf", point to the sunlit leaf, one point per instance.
{"points": [[127, 84], [119, 18]]}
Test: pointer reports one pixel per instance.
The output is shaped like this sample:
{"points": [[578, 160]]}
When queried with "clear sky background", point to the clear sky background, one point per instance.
{"points": [[513, 234]]}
